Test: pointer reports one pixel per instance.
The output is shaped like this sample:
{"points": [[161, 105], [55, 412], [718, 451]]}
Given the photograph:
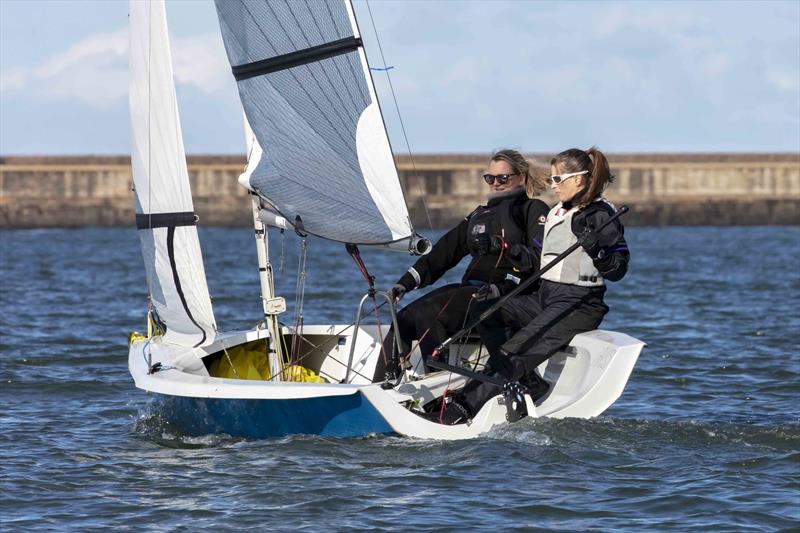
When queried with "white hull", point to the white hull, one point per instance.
{"points": [[585, 380]]}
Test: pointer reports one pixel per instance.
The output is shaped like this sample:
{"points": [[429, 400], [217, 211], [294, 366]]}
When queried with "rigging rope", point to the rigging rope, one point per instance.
{"points": [[299, 299], [352, 249], [233, 367]]}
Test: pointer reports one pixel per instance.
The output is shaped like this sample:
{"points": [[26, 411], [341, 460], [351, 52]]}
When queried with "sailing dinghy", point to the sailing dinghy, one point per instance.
{"points": [[320, 163]]}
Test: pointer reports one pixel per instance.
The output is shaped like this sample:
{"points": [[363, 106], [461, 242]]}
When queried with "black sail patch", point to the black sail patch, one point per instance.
{"points": [[165, 220], [294, 59]]}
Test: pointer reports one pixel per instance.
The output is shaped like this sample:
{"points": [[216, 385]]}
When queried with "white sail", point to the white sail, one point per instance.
{"points": [[164, 210], [305, 86]]}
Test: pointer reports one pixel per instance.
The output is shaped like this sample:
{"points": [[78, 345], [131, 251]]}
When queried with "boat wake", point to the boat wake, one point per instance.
{"points": [[602, 433], [152, 426], [611, 432]]}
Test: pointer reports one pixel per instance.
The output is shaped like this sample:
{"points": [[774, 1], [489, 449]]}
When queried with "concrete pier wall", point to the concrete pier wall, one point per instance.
{"points": [[662, 189]]}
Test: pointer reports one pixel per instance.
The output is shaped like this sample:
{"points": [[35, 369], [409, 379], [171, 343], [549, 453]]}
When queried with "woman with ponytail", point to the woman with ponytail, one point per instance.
{"points": [[503, 237], [569, 300]]}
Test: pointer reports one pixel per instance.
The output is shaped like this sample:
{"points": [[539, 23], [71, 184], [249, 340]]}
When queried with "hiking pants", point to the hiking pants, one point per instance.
{"points": [[528, 329]]}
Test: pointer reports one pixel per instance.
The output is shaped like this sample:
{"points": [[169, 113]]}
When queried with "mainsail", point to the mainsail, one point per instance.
{"points": [[164, 211], [305, 86]]}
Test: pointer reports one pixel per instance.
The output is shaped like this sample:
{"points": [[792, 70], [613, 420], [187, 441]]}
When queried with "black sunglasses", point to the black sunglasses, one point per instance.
{"points": [[502, 179]]}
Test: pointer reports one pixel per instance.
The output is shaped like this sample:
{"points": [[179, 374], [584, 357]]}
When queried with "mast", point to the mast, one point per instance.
{"points": [[272, 305]]}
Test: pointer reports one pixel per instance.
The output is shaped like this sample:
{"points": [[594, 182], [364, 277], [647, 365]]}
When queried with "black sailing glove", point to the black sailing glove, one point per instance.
{"points": [[397, 292], [405, 284], [590, 242], [596, 243], [489, 291]]}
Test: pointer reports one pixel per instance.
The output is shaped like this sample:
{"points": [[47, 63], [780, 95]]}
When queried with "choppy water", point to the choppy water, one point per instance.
{"points": [[707, 434]]}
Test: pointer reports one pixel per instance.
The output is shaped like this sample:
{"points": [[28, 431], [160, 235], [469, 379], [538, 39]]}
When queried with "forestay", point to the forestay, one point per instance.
{"points": [[164, 211], [305, 86]]}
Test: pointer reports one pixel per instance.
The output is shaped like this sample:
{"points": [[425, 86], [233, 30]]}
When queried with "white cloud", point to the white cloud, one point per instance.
{"points": [[201, 61], [621, 69], [94, 71], [12, 79], [784, 80], [715, 64], [559, 81]]}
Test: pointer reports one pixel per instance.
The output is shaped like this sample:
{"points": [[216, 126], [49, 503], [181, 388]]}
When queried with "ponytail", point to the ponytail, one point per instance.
{"points": [[593, 160]]}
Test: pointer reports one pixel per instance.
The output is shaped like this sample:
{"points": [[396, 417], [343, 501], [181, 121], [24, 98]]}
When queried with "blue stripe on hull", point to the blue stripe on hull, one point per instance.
{"points": [[350, 415]]}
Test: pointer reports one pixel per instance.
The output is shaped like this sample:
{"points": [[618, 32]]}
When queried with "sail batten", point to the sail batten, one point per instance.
{"points": [[306, 91]]}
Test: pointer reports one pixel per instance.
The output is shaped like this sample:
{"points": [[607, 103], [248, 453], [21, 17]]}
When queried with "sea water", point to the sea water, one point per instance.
{"points": [[706, 435]]}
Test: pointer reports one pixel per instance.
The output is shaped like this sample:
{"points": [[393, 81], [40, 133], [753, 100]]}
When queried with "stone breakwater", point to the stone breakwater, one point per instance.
{"points": [[661, 189]]}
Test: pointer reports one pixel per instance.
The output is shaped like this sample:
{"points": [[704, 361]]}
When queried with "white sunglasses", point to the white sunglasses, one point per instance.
{"points": [[559, 178]]}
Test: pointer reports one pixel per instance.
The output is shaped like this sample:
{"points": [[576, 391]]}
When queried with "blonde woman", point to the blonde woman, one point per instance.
{"points": [[500, 237]]}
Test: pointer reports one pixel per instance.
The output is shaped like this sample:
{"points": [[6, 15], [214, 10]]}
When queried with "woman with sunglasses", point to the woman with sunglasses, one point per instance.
{"points": [[570, 298], [500, 237]]}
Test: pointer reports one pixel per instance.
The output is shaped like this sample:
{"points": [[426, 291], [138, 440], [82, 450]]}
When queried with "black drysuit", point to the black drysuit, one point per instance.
{"points": [[530, 328], [518, 220]]}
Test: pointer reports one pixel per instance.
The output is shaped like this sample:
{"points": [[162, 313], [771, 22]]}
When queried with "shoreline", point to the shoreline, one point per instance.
{"points": [[744, 189]]}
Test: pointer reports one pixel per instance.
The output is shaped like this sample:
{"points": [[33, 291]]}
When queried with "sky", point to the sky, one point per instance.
{"points": [[469, 76]]}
